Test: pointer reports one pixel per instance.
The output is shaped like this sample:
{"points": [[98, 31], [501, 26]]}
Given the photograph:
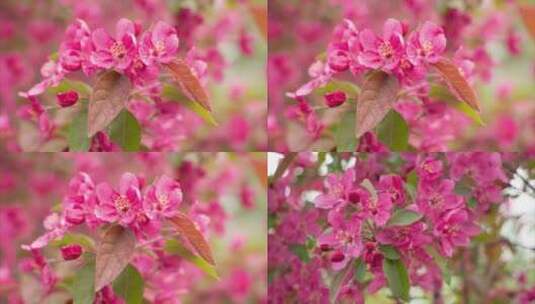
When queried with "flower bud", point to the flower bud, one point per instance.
{"points": [[325, 247], [71, 252], [67, 99], [335, 99], [354, 197], [337, 257]]}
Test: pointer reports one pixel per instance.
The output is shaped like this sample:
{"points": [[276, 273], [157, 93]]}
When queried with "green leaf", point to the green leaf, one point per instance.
{"points": [[174, 247], [442, 264], [393, 131], [77, 133], [83, 283], [345, 136], [126, 131], [300, 251], [404, 217], [311, 243], [129, 285], [174, 94], [347, 87], [397, 278], [75, 238], [68, 84], [443, 94], [389, 252], [360, 270], [468, 111], [472, 202]]}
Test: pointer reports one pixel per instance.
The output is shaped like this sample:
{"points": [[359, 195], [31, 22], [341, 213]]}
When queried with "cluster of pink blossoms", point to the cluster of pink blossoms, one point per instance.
{"points": [[405, 55], [357, 215], [132, 53], [133, 205]]}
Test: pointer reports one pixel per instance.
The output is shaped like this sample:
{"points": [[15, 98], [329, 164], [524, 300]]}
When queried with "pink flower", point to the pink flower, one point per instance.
{"points": [[335, 99], [435, 198], [342, 245], [158, 45], [71, 252], [76, 48], [392, 185], [429, 169], [67, 99], [454, 228], [55, 227], [427, 44], [338, 188], [382, 53], [53, 74], [379, 210], [79, 202], [405, 237], [119, 206], [162, 198], [115, 53]]}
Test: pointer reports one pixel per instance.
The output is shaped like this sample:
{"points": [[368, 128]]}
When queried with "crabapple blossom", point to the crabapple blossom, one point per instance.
{"points": [[374, 211], [158, 45], [162, 198], [119, 206], [115, 53], [427, 44], [385, 52]]}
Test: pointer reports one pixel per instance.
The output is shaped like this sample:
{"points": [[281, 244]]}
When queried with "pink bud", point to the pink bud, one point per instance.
{"points": [[67, 99], [337, 257], [71, 252], [335, 99]]}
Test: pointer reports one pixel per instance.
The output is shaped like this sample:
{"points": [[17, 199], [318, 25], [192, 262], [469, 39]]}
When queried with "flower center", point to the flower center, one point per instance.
{"points": [[427, 47], [385, 50], [118, 50], [122, 204], [162, 200], [405, 64], [159, 47]]}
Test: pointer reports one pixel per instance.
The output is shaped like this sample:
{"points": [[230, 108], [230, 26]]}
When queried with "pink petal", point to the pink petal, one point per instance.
{"points": [[429, 31], [124, 27], [104, 193], [368, 40], [392, 27], [128, 181], [325, 201], [370, 59], [101, 39], [161, 31], [145, 49], [102, 59]]}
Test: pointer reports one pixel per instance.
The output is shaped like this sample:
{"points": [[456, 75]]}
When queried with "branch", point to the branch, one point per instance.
{"points": [[283, 165]]}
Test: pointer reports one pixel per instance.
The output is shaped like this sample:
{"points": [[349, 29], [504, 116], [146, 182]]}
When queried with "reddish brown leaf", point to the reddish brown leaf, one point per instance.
{"points": [[259, 13], [377, 97], [109, 97], [527, 12], [260, 167], [189, 83], [113, 254], [188, 229], [456, 81]]}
